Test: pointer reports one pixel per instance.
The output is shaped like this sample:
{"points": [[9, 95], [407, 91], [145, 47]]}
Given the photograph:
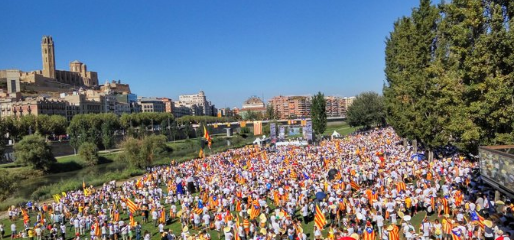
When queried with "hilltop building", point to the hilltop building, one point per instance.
{"points": [[78, 75]]}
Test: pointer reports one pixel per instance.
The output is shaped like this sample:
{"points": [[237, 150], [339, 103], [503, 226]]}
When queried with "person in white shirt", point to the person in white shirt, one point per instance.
{"points": [[317, 234], [426, 227], [228, 233], [154, 217], [380, 223], [13, 231], [161, 229], [437, 229]]}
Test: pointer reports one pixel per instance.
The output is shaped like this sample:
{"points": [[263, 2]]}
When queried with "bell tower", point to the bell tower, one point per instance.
{"points": [[47, 51]]}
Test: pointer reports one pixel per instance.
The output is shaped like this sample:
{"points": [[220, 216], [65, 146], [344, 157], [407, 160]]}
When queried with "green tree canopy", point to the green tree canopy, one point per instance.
{"points": [[7, 184], [366, 110], [270, 112], [450, 74], [319, 113], [141, 153], [33, 151], [88, 152]]}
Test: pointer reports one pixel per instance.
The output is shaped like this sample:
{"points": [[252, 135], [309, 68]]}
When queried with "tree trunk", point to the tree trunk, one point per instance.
{"points": [[430, 155], [415, 145], [405, 143]]}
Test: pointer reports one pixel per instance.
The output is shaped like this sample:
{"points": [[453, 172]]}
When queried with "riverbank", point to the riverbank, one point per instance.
{"points": [[41, 188]]}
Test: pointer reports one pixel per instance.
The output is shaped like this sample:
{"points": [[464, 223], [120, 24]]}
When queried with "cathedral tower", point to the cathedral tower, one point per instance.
{"points": [[47, 51]]}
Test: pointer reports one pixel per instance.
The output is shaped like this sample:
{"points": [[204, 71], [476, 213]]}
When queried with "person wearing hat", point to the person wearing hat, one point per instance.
{"points": [[185, 233], [170, 235], [228, 234], [488, 230]]}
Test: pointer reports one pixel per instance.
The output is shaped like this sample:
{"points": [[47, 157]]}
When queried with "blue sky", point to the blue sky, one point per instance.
{"points": [[231, 49]]}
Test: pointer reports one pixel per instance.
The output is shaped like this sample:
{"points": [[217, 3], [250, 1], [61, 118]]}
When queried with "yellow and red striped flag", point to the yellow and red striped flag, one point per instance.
{"points": [[207, 137], [255, 209], [132, 222], [354, 185], [201, 154], [236, 228], [395, 233], [131, 205], [162, 219], [319, 218], [97, 229]]}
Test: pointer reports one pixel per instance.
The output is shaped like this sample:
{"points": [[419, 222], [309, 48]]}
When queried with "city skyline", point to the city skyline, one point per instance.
{"points": [[231, 50]]}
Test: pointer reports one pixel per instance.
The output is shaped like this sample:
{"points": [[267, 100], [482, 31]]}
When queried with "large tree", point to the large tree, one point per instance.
{"points": [[367, 110], [319, 113], [409, 52], [141, 153], [450, 74], [33, 151]]}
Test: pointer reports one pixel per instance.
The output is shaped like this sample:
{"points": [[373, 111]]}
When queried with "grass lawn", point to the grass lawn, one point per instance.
{"points": [[341, 127], [176, 227]]}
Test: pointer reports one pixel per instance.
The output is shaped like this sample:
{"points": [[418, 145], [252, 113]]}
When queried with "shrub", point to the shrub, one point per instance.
{"points": [[88, 152]]}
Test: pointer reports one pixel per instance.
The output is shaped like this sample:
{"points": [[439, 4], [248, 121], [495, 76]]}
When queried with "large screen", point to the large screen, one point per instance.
{"points": [[497, 167]]}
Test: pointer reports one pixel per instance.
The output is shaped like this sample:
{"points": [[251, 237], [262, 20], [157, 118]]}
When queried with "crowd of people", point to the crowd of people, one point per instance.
{"points": [[363, 186]]}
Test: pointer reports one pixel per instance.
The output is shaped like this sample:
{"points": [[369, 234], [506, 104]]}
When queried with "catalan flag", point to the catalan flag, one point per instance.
{"points": [[131, 219], [255, 209], [25, 214], [162, 218], [201, 154], [446, 205], [139, 183], [354, 185], [198, 211], [400, 186], [369, 233], [395, 233], [319, 218], [236, 228], [131, 205], [293, 174], [97, 229], [476, 218], [456, 235], [207, 137], [116, 216]]}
